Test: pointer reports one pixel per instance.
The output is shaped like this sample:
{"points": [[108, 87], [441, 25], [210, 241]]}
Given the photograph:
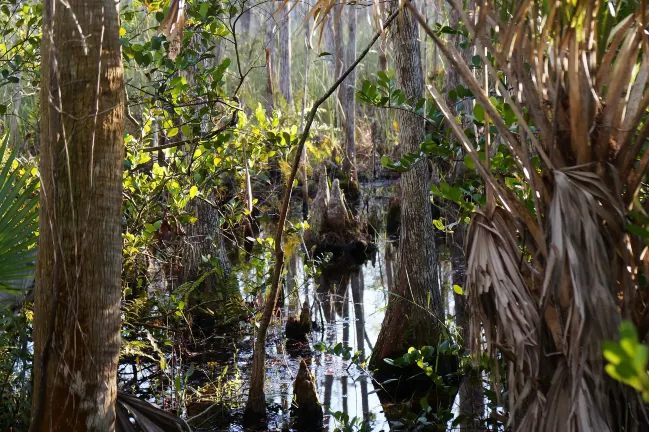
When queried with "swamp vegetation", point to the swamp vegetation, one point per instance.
{"points": [[287, 215]]}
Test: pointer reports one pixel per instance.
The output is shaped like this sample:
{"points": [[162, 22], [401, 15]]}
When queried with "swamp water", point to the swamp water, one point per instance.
{"points": [[206, 382]]}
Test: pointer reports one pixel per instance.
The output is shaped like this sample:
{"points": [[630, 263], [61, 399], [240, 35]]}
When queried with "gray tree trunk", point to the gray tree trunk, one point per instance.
{"points": [[271, 56], [339, 61], [303, 156], [285, 85], [349, 101], [77, 300], [415, 312], [380, 116]]}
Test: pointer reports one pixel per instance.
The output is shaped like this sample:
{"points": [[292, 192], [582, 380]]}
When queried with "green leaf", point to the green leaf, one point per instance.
{"points": [[193, 191], [172, 132], [478, 113], [204, 9], [458, 290], [468, 162]]}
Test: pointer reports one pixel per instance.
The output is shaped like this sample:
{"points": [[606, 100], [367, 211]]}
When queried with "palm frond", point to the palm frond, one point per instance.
{"points": [[500, 296], [18, 221]]}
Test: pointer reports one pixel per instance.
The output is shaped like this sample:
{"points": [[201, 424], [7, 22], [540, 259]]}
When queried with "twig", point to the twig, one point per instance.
{"points": [[197, 139]]}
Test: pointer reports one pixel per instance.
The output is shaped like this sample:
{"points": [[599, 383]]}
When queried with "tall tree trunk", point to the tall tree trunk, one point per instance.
{"points": [[379, 115], [348, 102], [415, 314], [271, 57], [285, 85], [77, 301], [269, 84], [339, 61], [244, 20], [304, 161]]}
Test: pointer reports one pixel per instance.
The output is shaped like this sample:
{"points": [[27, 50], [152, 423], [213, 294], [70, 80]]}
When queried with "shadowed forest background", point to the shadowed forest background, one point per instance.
{"points": [[287, 215]]}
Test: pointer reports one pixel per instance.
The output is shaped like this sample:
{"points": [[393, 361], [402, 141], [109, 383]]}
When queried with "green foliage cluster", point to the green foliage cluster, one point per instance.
{"points": [[627, 359]]}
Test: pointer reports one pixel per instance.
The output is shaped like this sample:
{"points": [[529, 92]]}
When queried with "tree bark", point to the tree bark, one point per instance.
{"points": [[415, 313], [348, 102], [285, 85], [380, 116], [77, 300], [204, 239]]}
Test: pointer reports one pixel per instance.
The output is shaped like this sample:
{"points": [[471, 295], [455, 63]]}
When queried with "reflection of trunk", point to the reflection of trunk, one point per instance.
{"points": [[357, 296], [348, 101], [345, 319], [77, 297], [416, 287], [328, 386], [285, 85]]}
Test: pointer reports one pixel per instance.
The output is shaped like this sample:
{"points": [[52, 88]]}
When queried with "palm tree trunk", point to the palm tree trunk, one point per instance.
{"points": [[77, 301]]}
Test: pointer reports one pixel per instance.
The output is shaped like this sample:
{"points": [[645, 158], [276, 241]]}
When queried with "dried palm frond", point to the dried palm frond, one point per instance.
{"points": [[576, 79], [147, 417], [499, 294], [173, 25]]}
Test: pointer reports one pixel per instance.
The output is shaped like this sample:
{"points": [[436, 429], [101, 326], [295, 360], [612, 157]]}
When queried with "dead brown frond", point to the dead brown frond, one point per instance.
{"points": [[173, 25], [576, 79], [499, 294]]}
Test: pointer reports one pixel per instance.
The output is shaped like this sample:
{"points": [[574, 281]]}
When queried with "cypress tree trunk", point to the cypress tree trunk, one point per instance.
{"points": [[285, 85], [415, 314], [77, 300], [348, 102]]}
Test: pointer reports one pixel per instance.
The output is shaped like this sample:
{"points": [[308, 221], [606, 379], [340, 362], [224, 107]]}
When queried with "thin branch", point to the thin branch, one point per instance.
{"points": [[197, 139]]}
